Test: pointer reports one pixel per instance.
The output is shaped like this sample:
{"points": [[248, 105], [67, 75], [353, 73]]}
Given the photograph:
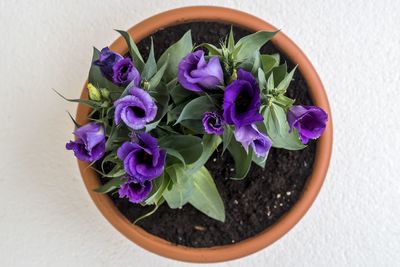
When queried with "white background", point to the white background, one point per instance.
{"points": [[46, 216]]}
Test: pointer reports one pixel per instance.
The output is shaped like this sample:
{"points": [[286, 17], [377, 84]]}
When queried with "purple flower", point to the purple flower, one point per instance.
{"points": [[135, 190], [310, 121], [249, 135], [143, 159], [90, 143], [195, 74], [242, 100], [116, 68], [135, 109], [213, 123]]}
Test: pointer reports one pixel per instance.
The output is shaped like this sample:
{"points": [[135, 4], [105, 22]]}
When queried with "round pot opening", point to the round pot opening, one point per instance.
{"points": [[288, 218]]}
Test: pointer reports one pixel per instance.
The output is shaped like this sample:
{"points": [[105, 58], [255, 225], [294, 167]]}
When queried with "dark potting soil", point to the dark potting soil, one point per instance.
{"points": [[252, 204]]}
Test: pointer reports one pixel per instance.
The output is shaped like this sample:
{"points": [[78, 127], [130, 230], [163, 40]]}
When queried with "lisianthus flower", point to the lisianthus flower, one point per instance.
{"points": [[90, 143], [249, 135], [213, 123], [242, 100], [136, 191], [117, 69], [135, 109], [143, 159], [195, 74], [310, 121]]}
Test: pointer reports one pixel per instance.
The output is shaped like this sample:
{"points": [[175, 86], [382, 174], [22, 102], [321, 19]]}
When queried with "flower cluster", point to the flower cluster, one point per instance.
{"points": [[143, 161], [154, 124]]}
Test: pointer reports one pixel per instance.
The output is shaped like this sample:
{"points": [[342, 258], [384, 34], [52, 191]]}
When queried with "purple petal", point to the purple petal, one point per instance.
{"points": [[124, 72], [195, 74], [136, 109], [242, 101], [310, 121], [143, 159], [90, 143], [213, 123], [126, 148], [249, 135], [136, 191]]}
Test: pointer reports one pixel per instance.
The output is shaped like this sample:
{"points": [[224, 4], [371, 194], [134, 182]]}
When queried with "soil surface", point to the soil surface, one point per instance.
{"points": [[251, 205]]}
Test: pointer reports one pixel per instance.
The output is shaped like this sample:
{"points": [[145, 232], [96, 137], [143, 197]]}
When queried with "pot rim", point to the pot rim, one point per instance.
{"points": [[311, 189]]}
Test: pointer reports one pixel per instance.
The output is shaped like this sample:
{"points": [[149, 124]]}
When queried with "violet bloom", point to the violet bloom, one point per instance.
{"points": [[249, 135], [195, 74], [136, 191], [90, 143], [213, 123], [116, 68], [143, 159], [310, 121], [135, 109], [242, 100]]}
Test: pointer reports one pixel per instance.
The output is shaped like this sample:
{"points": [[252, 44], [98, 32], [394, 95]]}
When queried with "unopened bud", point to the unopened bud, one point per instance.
{"points": [[146, 85], [234, 75], [94, 93], [105, 93]]}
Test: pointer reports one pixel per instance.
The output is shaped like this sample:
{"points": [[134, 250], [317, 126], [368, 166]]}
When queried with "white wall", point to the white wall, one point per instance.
{"points": [[46, 216]]}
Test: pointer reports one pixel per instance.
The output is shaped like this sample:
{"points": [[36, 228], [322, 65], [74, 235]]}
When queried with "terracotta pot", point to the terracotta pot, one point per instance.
{"points": [[323, 152]]}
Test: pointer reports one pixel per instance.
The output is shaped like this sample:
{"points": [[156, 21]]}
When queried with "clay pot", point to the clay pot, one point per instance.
{"points": [[287, 221]]}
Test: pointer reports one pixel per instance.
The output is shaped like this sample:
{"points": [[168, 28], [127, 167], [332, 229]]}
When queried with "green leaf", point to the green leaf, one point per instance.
{"points": [[179, 94], [195, 109], [276, 120], [277, 128], [212, 50], [279, 73], [261, 80], [196, 126], [226, 137], [231, 41], [112, 157], [159, 186], [90, 103], [111, 185], [150, 68], [251, 62], [133, 50], [155, 80], [175, 111], [156, 206], [176, 155], [210, 143], [205, 196], [268, 62], [260, 161], [242, 159], [246, 46], [77, 125], [270, 83], [182, 186], [112, 137], [256, 63], [175, 53], [283, 101], [284, 84], [188, 146], [117, 171], [161, 98]]}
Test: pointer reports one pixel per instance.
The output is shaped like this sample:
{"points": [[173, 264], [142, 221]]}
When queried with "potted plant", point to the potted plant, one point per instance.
{"points": [[173, 136]]}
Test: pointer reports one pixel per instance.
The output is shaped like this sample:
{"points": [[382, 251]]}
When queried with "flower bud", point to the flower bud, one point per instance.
{"points": [[233, 76], [105, 93], [146, 85], [94, 93]]}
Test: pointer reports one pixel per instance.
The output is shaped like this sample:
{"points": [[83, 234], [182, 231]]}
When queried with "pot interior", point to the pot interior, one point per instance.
{"points": [[253, 204]]}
